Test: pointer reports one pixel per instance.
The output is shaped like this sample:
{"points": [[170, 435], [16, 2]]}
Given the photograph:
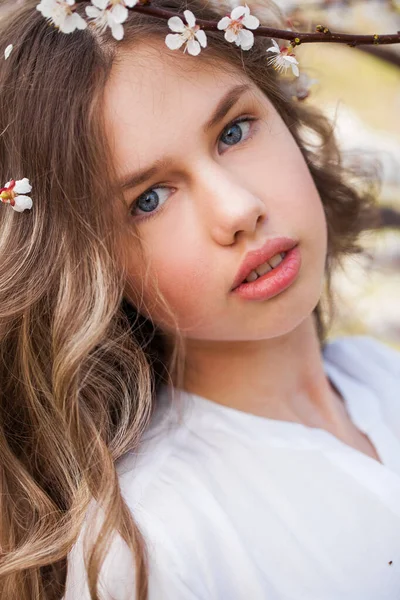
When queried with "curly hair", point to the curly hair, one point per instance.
{"points": [[80, 366]]}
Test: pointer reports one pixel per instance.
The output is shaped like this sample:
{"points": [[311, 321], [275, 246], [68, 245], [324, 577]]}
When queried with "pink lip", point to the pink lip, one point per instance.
{"points": [[273, 282], [255, 258]]}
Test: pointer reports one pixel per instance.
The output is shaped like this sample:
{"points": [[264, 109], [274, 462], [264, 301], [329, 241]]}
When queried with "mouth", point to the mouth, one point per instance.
{"points": [[268, 257], [265, 267], [274, 280]]}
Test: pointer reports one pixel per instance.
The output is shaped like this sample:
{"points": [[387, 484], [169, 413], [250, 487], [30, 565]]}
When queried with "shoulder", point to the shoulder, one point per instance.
{"points": [[370, 371], [162, 513], [160, 487], [365, 355], [117, 572]]}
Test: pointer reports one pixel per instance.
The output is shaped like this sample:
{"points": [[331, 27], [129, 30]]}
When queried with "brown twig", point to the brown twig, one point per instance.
{"points": [[388, 56], [390, 217], [295, 37]]}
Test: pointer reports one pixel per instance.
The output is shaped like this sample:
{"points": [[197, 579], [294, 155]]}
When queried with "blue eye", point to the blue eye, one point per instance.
{"points": [[149, 201], [234, 133]]}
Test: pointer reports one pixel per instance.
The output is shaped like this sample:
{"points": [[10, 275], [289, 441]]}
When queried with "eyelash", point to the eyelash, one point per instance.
{"points": [[242, 119]]}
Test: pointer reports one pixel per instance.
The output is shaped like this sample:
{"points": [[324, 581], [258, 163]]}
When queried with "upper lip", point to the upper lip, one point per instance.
{"points": [[255, 258]]}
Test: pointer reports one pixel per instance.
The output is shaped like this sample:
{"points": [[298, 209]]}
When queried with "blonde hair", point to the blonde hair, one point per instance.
{"points": [[80, 367]]}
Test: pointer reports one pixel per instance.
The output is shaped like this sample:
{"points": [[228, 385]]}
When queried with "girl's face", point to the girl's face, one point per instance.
{"points": [[217, 192]]}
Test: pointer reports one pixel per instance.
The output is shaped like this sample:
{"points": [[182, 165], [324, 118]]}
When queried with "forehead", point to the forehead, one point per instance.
{"points": [[154, 102]]}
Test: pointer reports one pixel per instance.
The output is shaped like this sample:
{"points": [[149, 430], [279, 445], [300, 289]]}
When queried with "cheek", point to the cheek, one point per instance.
{"points": [[290, 172], [183, 280], [299, 193]]}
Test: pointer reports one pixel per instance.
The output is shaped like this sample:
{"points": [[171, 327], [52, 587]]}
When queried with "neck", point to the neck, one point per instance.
{"points": [[281, 378]]}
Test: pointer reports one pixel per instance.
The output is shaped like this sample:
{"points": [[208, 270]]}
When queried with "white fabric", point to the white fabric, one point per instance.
{"points": [[239, 507]]}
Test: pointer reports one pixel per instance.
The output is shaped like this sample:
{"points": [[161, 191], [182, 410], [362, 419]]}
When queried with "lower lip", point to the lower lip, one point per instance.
{"points": [[273, 282]]}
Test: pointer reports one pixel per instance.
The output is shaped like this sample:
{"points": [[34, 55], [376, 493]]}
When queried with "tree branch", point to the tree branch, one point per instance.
{"points": [[296, 38]]}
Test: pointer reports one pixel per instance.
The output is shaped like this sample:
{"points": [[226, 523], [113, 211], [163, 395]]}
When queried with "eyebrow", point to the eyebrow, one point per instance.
{"points": [[223, 107]]}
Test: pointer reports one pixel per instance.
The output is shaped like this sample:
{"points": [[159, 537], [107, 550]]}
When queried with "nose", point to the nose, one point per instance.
{"points": [[227, 203]]}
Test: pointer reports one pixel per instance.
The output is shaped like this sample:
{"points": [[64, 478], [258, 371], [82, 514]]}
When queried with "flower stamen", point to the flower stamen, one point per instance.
{"points": [[13, 193]]}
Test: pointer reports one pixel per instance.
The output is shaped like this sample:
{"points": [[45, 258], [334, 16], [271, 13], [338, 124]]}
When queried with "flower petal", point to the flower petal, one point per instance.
{"points": [[276, 45], [22, 186], [80, 22], [201, 36], [193, 47], [230, 35], [246, 39], [67, 26], [45, 8], [190, 18], [174, 40], [101, 4], [72, 22], [251, 22], [237, 12], [8, 51], [92, 12], [120, 13], [22, 203], [176, 24], [117, 30], [223, 23], [295, 70], [130, 3]]}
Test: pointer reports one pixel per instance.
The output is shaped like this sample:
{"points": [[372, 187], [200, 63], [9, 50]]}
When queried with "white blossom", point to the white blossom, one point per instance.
{"points": [[189, 34], [302, 85], [8, 51], [14, 193], [61, 13], [284, 58], [234, 27], [110, 13]]}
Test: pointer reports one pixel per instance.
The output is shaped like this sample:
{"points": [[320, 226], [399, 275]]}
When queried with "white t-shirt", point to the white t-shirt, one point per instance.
{"points": [[239, 507]]}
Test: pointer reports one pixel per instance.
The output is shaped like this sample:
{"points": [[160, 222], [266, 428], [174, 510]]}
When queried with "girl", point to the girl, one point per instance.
{"points": [[169, 432]]}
